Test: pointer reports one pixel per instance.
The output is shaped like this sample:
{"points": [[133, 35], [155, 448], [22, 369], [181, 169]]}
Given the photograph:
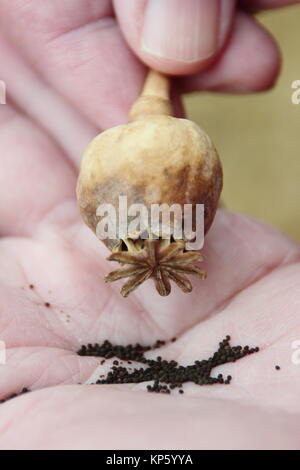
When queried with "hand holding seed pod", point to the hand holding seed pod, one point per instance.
{"points": [[155, 159]]}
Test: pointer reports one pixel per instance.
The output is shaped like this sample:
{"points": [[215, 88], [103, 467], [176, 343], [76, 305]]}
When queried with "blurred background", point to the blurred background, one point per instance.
{"points": [[258, 135]]}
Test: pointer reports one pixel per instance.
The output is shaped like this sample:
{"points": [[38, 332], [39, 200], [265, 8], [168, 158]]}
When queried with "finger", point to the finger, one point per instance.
{"points": [[250, 62], [39, 367], [82, 55], [34, 97], [173, 36], [35, 178]]}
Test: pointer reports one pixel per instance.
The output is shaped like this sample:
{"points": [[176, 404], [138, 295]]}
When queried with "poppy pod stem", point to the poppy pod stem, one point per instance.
{"points": [[154, 99]]}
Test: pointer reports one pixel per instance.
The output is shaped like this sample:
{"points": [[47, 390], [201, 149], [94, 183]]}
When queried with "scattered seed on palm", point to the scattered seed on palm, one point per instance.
{"points": [[127, 353], [166, 375], [14, 395]]}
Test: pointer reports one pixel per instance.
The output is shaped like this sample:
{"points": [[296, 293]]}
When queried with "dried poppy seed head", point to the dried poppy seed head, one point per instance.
{"points": [[155, 159]]}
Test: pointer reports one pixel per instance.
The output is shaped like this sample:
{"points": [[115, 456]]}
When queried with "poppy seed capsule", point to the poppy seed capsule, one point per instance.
{"points": [[155, 159]]}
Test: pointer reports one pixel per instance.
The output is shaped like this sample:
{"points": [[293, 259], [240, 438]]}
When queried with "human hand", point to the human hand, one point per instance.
{"points": [[58, 102]]}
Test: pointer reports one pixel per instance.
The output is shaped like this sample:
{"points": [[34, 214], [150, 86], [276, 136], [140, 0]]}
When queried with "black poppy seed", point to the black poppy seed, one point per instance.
{"points": [[14, 395], [277, 367], [108, 350], [166, 375], [47, 304]]}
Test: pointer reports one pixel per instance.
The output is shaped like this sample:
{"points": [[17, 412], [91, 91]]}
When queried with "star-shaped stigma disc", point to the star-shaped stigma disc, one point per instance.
{"points": [[160, 259]]}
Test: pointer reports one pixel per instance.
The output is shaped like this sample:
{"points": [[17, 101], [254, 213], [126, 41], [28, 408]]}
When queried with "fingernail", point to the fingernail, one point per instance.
{"points": [[181, 30]]}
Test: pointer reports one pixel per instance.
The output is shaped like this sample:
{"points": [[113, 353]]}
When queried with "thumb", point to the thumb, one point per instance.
{"points": [[175, 36]]}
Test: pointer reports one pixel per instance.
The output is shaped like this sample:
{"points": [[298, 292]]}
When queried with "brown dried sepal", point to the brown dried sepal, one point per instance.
{"points": [[163, 260]]}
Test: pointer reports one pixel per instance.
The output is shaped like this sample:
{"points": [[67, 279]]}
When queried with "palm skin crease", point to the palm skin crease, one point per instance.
{"points": [[252, 290]]}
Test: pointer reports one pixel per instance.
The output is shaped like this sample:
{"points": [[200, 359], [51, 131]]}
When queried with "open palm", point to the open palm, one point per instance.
{"points": [[53, 298]]}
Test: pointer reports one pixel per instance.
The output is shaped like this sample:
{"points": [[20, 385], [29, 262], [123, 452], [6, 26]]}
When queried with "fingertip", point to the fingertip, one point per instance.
{"points": [[268, 63], [250, 62], [260, 55], [175, 37]]}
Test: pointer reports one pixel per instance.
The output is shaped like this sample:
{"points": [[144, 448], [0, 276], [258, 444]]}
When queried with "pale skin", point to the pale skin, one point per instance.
{"points": [[70, 76]]}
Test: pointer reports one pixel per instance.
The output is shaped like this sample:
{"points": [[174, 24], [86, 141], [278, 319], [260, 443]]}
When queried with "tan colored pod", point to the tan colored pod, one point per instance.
{"points": [[154, 159]]}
